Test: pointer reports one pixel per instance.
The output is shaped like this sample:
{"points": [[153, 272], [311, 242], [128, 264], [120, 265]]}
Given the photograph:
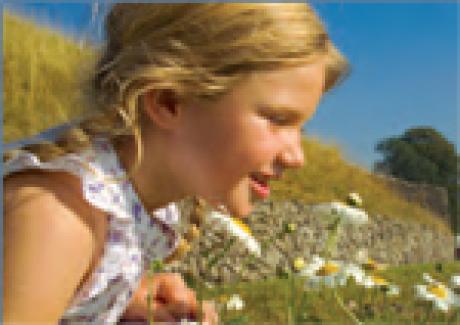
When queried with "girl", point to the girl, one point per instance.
{"points": [[203, 100]]}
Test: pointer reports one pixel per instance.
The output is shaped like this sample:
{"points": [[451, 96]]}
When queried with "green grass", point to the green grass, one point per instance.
{"points": [[267, 301], [44, 73]]}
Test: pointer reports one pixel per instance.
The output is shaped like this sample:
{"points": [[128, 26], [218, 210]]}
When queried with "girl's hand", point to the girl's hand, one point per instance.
{"points": [[172, 301], [210, 316]]}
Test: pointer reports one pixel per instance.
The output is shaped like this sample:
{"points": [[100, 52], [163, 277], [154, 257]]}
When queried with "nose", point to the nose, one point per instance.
{"points": [[293, 156]]}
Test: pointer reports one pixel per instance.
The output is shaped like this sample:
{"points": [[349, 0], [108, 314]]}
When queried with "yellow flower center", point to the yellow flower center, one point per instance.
{"points": [[291, 227], [379, 281], [242, 226], [299, 264], [370, 265], [438, 291], [327, 269]]}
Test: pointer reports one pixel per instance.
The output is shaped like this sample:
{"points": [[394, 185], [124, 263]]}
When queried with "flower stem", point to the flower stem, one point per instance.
{"points": [[292, 298], [331, 242], [290, 321], [149, 309], [345, 309]]}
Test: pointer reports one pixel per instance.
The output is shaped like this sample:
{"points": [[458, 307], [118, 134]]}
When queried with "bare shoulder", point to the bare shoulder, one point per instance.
{"points": [[44, 194], [49, 243], [50, 189]]}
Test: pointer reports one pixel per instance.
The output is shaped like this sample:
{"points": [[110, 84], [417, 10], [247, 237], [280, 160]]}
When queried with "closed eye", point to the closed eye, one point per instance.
{"points": [[282, 116], [280, 120]]}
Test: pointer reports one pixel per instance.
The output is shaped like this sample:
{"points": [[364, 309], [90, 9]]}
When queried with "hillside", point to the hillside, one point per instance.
{"points": [[328, 176], [43, 77]]}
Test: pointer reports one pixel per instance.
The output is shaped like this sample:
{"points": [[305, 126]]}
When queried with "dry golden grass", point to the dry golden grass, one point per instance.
{"points": [[43, 74], [43, 77]]}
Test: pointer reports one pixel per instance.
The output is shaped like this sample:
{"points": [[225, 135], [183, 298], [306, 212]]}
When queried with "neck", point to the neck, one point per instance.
{"points": [[152, 179]]}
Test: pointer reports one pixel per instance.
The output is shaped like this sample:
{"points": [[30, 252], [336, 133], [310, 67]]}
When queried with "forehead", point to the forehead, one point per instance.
{"points": [[300, 84], [295, 88], [305, 77]]}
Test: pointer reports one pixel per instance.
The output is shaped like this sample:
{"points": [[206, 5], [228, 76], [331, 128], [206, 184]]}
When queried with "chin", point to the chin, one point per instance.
{"points": [[240, 211], [238, 202]]}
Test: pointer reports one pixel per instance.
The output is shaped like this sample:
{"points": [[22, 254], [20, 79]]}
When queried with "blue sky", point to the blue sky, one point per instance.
{"points": [[404, 59]]}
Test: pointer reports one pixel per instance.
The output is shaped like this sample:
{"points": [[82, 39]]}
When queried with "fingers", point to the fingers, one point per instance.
{"points": [[174, 293], [161, 313], [210, 315], [174, 301]]}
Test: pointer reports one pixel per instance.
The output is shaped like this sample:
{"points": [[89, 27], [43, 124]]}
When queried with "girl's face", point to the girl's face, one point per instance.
{"points": [[227, 150]]}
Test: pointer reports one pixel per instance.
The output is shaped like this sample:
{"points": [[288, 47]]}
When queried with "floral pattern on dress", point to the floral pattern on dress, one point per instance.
{"points": [[134, 237]]}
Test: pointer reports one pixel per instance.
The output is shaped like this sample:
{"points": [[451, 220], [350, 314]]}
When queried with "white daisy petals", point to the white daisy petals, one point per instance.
{"points": [[235, 303], [231, 226], [439, 294], [347, 213], [455, 280], [330, 273], [354, 199]]}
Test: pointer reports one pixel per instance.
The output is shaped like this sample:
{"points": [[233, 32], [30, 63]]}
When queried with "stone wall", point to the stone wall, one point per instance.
{"points": [[384, 239], [433, 198]]}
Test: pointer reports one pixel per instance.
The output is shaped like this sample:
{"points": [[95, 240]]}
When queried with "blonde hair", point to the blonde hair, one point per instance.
{"points": [[195, 50]]}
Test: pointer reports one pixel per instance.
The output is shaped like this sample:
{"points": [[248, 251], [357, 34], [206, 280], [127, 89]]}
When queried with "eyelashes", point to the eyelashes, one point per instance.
{"points": [[285, 121], [279, 120]]}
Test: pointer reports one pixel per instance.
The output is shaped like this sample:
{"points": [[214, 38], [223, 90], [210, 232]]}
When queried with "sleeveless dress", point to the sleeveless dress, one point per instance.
{"points": [[134, 238]]}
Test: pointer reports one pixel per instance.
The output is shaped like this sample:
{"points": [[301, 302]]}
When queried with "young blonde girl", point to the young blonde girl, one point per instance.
{"points": [[203, 100]]}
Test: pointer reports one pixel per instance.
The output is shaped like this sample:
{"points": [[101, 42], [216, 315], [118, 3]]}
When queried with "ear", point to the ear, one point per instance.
{"points": [[162, 108]]}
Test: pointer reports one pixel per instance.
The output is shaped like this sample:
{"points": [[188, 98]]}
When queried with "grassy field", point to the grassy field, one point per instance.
{"points": [[266, 302]]}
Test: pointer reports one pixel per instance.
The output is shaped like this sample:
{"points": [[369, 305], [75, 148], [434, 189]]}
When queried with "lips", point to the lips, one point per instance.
{"points": [[259, 185]]}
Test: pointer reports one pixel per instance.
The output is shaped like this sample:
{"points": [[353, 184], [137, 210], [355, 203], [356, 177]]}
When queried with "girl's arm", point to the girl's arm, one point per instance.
{"points": [[48, 246]]}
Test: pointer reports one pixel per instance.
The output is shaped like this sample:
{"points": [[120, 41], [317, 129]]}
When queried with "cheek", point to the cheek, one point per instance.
{"points": [[253, 150]]}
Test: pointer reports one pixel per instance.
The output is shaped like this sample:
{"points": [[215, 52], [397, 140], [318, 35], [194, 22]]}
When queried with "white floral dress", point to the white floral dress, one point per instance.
{"points": [[134, 238]]}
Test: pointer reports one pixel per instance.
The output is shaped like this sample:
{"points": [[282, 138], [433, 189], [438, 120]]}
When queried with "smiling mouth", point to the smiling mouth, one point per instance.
{"points": [[259, 185]]}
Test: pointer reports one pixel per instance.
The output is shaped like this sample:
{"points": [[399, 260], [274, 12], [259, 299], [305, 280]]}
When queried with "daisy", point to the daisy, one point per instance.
{"points": [[371, 265], [441, 296], [354, 200], [235, 303], [355, 272], [371, 281], [393, 290], [346, 213], [435, 291], [289, 227], [331, 273], [374, 281], [236, 228], [428, 279], [455, 280]]}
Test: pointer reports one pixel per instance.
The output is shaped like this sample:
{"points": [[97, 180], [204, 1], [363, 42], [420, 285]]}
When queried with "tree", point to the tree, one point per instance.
{"points": [[423, 155]]}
